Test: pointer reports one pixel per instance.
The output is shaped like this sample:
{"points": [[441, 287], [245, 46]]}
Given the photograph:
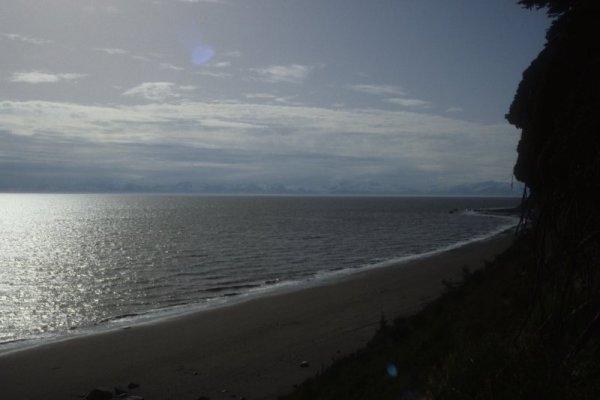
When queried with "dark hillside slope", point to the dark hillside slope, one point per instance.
{"points": [[480, 340]]}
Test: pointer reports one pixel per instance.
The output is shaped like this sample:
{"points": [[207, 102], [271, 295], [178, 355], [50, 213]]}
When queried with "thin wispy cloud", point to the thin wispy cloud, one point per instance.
{"points": [[410, 103], [214, 74], [378, 90], [144, 59], [25, 38], [454, 110], [111, 50], [158, 91], [260, 96], [399, 95], [268, 97], [294, 73], [170, 67], [36, 77]]}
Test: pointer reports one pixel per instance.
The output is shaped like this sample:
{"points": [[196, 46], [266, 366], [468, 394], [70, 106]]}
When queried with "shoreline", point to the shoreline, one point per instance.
{"points": [[164, 315], [250, 349]]}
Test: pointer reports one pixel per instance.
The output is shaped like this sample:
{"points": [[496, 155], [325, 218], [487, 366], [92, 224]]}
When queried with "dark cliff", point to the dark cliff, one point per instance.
{"points": [[557, 106]]}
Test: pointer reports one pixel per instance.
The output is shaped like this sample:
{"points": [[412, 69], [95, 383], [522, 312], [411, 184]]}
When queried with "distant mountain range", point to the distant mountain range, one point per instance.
{"points": [[488, 188]]}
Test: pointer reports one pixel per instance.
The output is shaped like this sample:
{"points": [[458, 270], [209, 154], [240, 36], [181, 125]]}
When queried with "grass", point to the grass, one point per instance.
{"points": [[484, 339]]}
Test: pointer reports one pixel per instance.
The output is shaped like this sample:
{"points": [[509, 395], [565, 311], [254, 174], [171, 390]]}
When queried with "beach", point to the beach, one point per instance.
{"points": [[256, 349]]}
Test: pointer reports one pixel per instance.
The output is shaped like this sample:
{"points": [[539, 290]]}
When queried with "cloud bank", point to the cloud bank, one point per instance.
{"points": [[238, 142]]}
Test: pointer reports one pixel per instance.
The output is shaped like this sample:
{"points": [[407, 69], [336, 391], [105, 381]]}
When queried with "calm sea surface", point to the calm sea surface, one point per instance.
{"points": [[79, 263]]}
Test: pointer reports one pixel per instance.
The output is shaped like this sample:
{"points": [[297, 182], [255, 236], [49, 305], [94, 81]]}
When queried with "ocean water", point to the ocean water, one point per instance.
{"points": [[72, 264]]}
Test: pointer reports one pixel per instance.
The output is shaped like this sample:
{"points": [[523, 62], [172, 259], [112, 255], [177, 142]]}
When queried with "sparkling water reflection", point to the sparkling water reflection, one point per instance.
{"points": [[72, 261]]}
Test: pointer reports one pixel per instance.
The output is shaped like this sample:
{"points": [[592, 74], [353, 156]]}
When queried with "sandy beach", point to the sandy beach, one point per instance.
{"points": [[251, 350]]}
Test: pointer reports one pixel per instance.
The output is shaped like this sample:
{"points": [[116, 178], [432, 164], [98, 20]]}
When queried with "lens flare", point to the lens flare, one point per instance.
{"points": [[202, 54], [391, 370], [192, 40]]}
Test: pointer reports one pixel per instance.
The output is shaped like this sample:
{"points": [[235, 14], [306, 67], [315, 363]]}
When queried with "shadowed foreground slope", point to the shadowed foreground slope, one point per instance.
{"points": [[481, 340]]}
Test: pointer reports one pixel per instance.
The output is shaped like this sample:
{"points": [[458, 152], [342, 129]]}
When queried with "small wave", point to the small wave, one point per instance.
{"points": [[214, 277], [332, 274], [233, 287], [118, 318], [312, 237], [11, 342]]}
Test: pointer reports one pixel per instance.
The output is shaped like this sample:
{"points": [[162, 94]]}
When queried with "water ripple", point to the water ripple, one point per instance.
{"points": [[75, 261]]}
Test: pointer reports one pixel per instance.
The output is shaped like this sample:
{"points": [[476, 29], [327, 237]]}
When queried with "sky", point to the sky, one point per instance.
{"points": [[391, 94]]}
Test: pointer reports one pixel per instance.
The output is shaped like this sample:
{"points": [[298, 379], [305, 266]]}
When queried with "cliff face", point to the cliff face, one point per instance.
{"points": [[557, 106]]}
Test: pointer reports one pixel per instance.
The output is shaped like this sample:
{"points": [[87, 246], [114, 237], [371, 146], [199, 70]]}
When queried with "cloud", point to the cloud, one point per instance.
{"points": [[276, 142], [171, 67], [25, 38], [378, 90], [35, 77], [260, 96], [294, 73], [390, 90], [111, 50], [158, 91], [222, 64], [214, 74], [410, 103], [454, 110], [272, 98]]}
